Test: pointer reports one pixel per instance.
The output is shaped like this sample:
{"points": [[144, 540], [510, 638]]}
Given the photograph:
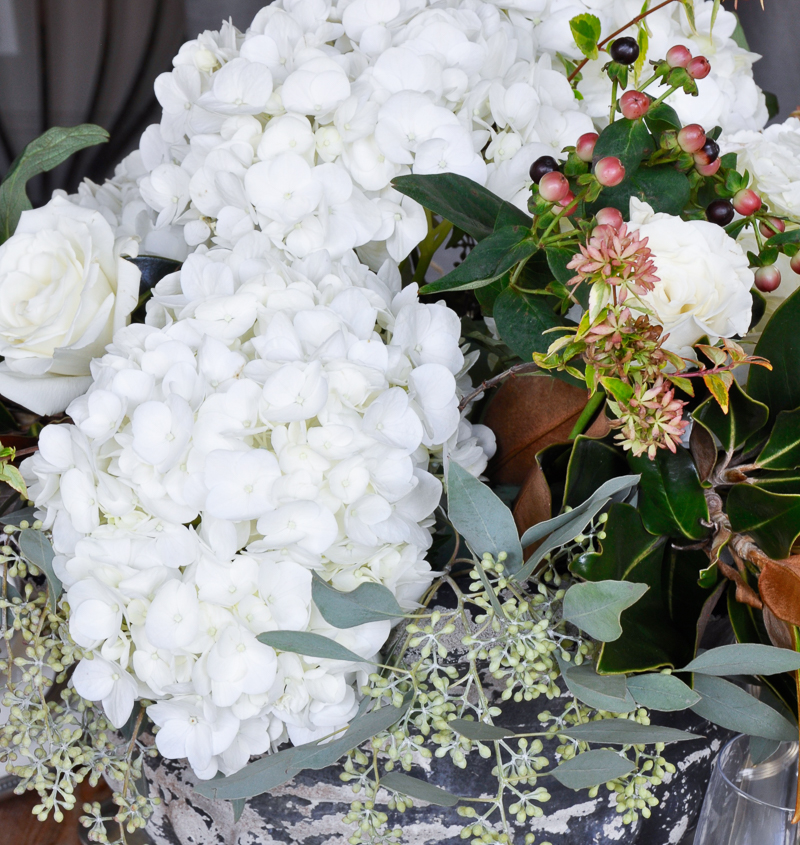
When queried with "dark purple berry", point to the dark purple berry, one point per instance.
{"points": [[542, 165], [720, 212], [624, 51], [708, 153]]}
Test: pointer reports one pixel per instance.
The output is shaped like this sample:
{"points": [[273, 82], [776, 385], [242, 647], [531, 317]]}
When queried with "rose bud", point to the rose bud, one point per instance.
{"points": [[692, 138], [609, 171], [708, 153], [795, 263], [698, 67], [772, 226], [553, 186], [678, 56], [768, 279], [569, 200], [634, 104], [747, 202], [708, 169], [720, 212], [624, 51], [585, 146], [542, 165], [609, 217]]}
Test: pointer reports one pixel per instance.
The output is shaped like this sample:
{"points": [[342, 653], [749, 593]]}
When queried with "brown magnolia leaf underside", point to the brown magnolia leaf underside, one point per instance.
{"points": [[779, 585], [533, 503]]}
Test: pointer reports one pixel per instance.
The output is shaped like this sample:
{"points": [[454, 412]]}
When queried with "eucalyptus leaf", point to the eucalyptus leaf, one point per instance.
{"points": [[367, 603], [37, 549], [311, 645], [625, 732], [481, 517], [762, 749], [15, 517], [592, 768], [596, 606], [479, 730], [238, 805], [745, 659], [662, 692], [731, 707], [416, 788], [603, 692]]}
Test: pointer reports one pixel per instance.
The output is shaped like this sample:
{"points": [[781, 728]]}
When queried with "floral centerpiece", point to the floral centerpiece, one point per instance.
{"points": [[262, 519]]}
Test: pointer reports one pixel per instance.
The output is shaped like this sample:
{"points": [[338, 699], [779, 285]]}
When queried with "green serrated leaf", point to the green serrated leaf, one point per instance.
{"points": [[367, 603], [37, 549], [479, 730], [626, 732], [311, 645], [586, 30], [592, 768], [662, 692], [416, 788], [596, 606], [745, 659]]}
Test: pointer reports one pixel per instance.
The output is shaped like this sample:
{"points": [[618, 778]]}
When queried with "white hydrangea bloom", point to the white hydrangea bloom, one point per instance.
{"points": [[272, 419]]}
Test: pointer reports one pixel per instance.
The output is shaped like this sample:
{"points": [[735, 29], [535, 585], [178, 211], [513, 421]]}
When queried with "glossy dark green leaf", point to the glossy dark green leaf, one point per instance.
{"points": [[744, 659], [628, 140], [671, 499], [661, 118], [779, 389], [665, 189], [481, 517], [479, 731], [782, 450], [153, 270], [37, 549], [603, 692], [466, 204], [790, 237], [367, 603], [596, 606], [416, 788], [592, 463], [731, 707], [745, 417], [759, 306], [311, 645], [662, 692], [785, 481], [626, 732], [592, 768], [490, 259], [557, 260], [772, 519]]}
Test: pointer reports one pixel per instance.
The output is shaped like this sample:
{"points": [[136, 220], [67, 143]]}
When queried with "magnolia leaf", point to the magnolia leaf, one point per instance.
{"points": [[37, 549], [782, 450], [416, 788], [772, 519], [625, 732], [153, 270], [596, 606], [603, 692], [586, 30], [744, 659], [779, 588], [479, 731], [592, 768], [311, 645], [662, 692], [367, 603], [731, 707], [481, 517], [745, 418]]}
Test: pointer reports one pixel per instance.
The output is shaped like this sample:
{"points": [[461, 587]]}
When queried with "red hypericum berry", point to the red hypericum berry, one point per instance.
{"points": [[610, 217], [585, 146], [678, 56], [720, 212], [553, 186], [768, 279], [692, 138], [747, 202], [634, 104], [542, 165], [624, 51], [568, 200], [698, 67], [708, 169], [708, 153], [772, 226], [795, 263], [609, 171]]}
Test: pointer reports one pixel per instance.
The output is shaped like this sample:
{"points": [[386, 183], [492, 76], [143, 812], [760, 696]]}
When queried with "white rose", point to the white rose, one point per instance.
{"points": [[705, 280], [64, 290]]}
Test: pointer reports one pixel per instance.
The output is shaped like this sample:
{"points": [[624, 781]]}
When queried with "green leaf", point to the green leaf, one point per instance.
{"points": [[596, 607], [37, 549], [311, 645], [592, 463], [466, 204], [662, 692], [481, 517], [772, 104], [738, 36], [592, 768], [490, 259], [416, 788], [367, 603], [626, 732], [779, 389], [603, 692], [40, 156], [479, 731], [557, 260], [667, 190], [16, 517], [762, 749], [782, 450], [153, 269], [772, 519], [792, 236], [13, 477], [785, 481], [238, 808], [745, 417], [661, 118], [627, 140], [586, 30], [745, 659], [731, 707], [688, 7], [671, 500]]}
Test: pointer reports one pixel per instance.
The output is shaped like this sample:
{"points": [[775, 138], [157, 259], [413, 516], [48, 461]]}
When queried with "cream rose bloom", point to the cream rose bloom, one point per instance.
{"points": [[705, 280], [64, 290]]}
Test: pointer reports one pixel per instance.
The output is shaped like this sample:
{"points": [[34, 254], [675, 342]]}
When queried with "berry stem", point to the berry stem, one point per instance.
{"points": [[560, 214], [587, 414], [664, 96], [614, 87]]}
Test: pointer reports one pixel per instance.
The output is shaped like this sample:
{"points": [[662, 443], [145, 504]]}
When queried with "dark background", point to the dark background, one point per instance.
{"points": [[64, 62]]}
